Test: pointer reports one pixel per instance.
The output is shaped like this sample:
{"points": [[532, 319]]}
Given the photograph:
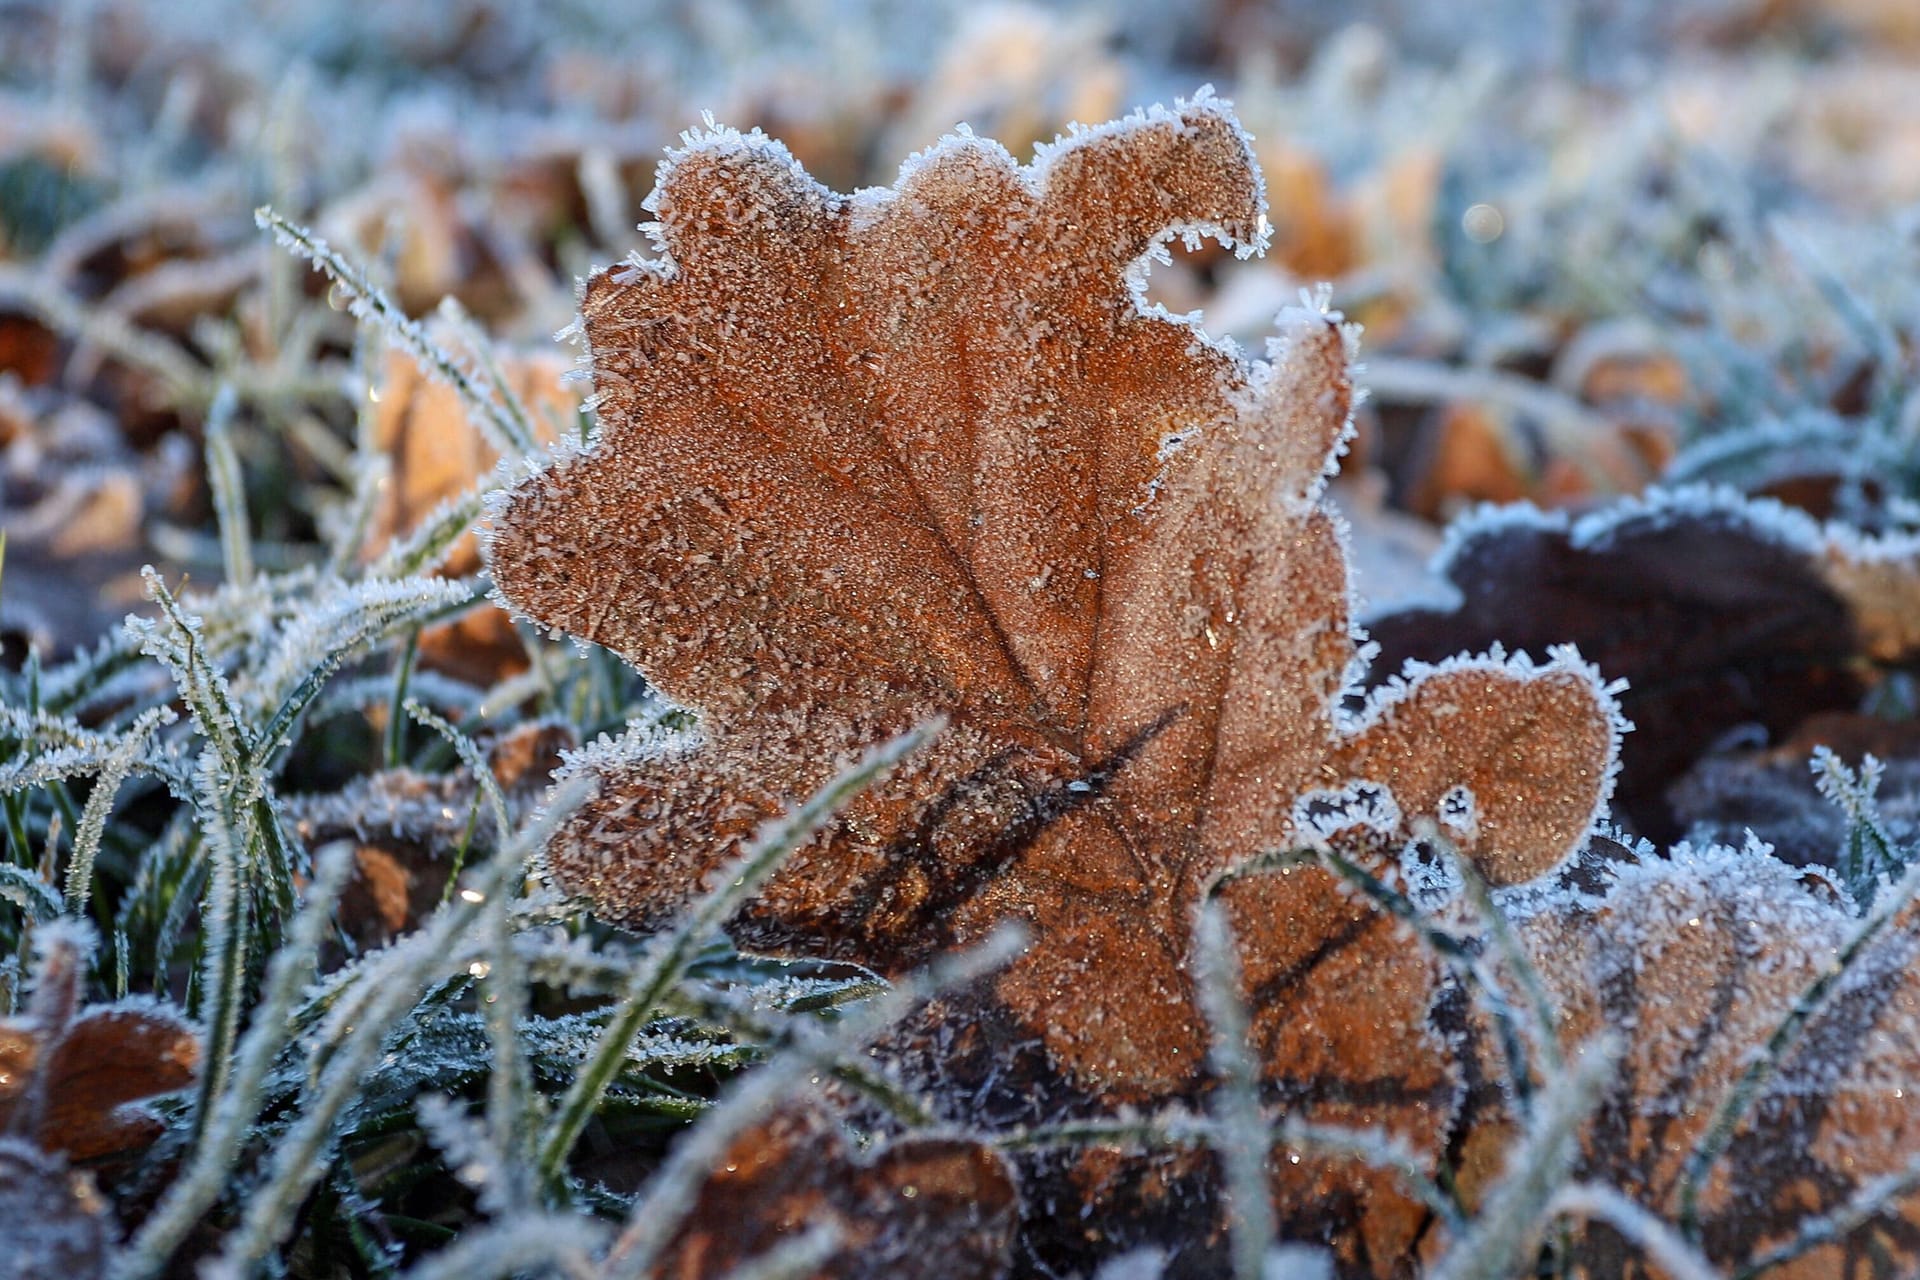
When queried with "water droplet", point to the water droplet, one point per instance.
{"points": [[1483, 223]]}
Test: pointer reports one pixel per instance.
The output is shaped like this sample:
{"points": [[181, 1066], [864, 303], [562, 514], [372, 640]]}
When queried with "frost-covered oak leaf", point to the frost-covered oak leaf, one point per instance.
{"points": [[1696, 961], [926, 451]]}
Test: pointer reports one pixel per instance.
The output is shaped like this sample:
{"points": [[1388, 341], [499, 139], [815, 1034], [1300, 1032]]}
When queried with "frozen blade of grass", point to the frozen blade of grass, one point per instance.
{"points": [[1672, 1255], [316, 642], [202, 685], [1377, 1150], [226, 919], [1720, 1130], [468, 1150], [1546, 1019], [53, 749], [1371, 1147], [166, 885], [1503, 1235], [1869, 855], [394, 744], [1239, 1128], [474, 759], [433, 537], [405, 969], [371, 304], [521, 1244], [657, 1215], [509, 1084], [805, 1037], [198, 1188], [490, 373], [24, 888], [114, 770], [238, 795], [229, 490], [1462, 959], [668, 956], [70, 685]]}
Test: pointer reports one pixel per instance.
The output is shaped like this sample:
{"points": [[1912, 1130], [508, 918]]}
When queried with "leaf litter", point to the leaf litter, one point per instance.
{"points": [[1469, 1019]]}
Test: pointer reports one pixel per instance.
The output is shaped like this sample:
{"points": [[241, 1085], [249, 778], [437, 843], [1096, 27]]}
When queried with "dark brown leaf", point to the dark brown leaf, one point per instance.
{"points": [[1717, 614]]}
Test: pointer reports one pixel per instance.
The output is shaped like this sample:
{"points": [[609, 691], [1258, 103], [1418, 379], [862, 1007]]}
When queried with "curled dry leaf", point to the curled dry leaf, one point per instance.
{"points": [[923, 451], [72, 1079], [1719, 612]]}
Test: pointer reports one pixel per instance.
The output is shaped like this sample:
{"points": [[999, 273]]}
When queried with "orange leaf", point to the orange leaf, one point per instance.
{"points": [[865, 460]]}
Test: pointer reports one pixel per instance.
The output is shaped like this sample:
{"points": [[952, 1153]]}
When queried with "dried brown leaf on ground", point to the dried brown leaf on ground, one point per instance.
{"points": [[405, 827], [1697, 959], [916, 1206], [72, 1078], [1718, 611], [436, 454], [868, 460]]}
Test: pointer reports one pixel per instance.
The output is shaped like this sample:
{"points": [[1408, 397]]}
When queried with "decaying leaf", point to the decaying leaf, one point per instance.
{"points": [[438, 454], [405, 826], [866, 460], [54, 1224], [918, 1206], [1718, 611], [71, 1078], [1699, 958]]}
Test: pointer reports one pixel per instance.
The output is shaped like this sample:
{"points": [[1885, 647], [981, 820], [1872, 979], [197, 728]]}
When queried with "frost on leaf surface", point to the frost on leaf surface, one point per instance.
{"points": [[1718, 610], [924, 451], [54, 1224], [1697, 960]]}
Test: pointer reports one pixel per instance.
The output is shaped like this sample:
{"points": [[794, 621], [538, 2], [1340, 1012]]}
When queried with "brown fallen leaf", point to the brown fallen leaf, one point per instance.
{"points": [[405, 827], [1696, 961], [1719, 612], [921, 452], [54, 1224], [437, 454], [71, 1078], [944, 1203], [1468, 453]]}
